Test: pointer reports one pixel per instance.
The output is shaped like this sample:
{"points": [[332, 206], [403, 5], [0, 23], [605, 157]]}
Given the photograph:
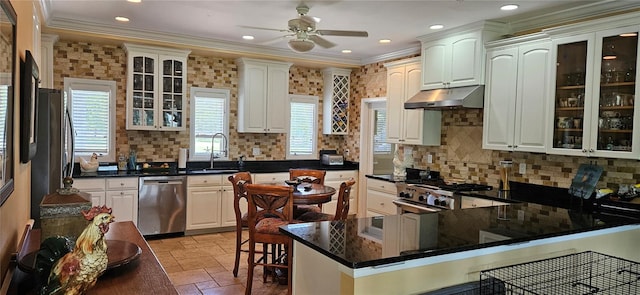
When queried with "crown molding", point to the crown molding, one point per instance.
{"points": [[213, 45], [392, 55], [571, 14]]}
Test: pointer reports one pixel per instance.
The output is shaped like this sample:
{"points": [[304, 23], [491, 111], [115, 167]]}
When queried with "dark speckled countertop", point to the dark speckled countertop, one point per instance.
{"points": [[444, 232], [223, 166]]}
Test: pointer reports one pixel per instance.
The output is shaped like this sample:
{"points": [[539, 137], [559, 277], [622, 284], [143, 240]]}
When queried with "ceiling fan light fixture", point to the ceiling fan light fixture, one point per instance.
{"points": [[301, 45]]}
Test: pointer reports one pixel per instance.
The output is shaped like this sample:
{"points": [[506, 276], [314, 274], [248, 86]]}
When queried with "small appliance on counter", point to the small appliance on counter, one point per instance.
{"points": [[331, 158]]}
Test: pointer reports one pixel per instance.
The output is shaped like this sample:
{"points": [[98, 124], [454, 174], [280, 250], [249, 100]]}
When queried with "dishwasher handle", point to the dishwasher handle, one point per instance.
{"points": [[162, 182]]}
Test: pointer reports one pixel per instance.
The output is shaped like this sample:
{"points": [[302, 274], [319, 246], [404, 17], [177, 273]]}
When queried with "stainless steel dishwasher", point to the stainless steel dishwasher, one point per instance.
{"points": [[162, 205]]}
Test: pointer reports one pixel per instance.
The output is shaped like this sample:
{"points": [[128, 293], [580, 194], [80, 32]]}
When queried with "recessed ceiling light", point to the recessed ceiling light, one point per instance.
{"points": [[134, 1], [122, 19], [384, 41], [346, 51], [436, 27], [247, 37], [509, 7]]}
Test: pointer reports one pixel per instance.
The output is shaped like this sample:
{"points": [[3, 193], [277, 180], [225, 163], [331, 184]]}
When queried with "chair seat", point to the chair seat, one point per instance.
{"points": [[270, 226], [315, 216], [302, 209]]}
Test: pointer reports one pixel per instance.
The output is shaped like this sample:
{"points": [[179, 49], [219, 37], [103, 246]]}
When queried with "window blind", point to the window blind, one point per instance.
{"points": [[208, 119], [4, 89], [90, 113], [380, 146], [303, 128]]}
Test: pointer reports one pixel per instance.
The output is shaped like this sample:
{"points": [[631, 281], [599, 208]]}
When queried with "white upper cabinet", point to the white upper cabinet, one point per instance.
{"points": [[336, 101], [592, 103], [156, 88], [515, 96], [417, 126], [456, 58], [263, 96]]}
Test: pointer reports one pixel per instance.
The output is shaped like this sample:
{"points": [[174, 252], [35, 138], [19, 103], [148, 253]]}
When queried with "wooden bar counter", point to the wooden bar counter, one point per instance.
{"points": [[143, 275]]}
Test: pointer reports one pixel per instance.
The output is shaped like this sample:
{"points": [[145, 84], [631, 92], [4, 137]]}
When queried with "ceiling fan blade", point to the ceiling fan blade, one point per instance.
{"points": [[322, 42], [265, 29], [275, 40], [343, 33]]}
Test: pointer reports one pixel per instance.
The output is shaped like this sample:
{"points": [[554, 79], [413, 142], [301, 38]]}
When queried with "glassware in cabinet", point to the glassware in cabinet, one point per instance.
{"points": [[617, 90], [569, 101]]}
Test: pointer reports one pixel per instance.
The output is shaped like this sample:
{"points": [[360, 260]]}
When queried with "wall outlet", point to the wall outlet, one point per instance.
{"points": [[346, 152], [429, 158], [522, 169], [256, 151]]}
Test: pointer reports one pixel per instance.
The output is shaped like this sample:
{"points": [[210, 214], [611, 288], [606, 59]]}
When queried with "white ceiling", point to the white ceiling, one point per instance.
{"points": [[218, 25]]}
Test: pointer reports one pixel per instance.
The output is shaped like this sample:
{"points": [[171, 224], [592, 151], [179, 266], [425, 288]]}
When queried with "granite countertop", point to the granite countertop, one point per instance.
{"points": [[443, 232], [222, 167]]}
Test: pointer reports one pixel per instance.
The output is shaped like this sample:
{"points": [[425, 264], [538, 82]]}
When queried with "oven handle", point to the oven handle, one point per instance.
{"points": [[421, 208]]}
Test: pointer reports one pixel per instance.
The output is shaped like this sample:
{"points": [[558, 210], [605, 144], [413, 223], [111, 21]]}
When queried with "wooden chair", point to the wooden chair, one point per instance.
{"points": [[239, 180], [342, 209], [307, 176], [270, 206]]}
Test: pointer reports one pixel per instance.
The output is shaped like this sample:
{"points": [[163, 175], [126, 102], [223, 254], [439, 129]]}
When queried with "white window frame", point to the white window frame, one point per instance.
{"points": [[208, 92], [96, 85], [312, 100]]}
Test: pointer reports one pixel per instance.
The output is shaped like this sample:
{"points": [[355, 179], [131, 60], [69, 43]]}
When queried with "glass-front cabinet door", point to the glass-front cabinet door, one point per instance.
{"points": [[594, 108], [156, 79]]}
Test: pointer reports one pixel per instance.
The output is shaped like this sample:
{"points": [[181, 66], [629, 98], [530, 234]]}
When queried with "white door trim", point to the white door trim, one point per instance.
{"points": [[366, 157]]}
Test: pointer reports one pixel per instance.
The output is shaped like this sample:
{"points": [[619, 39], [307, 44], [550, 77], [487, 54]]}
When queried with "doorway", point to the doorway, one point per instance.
{"points": [[376, 155]]}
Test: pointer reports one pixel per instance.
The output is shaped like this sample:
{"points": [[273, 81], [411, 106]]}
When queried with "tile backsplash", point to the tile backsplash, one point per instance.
{"points": [[459, 156]]}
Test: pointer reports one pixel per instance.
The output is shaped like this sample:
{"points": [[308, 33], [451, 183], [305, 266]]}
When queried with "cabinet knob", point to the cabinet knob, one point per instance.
{"points": [[121, 193], [121, 184], [515, 146], [591, 150], [205, 181], [509, 146], [584, 150], [381, 204]]}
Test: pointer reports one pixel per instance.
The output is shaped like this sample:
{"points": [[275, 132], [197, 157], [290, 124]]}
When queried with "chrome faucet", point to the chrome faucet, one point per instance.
{"points": [[224, 146]]}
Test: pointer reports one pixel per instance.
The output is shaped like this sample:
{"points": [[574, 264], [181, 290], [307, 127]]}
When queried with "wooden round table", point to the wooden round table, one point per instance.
{"points": [[318, 194]]}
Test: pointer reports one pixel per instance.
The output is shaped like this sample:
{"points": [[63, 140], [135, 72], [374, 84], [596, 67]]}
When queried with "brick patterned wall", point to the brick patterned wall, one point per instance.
{"points": [[108, 62], [99, 61]]}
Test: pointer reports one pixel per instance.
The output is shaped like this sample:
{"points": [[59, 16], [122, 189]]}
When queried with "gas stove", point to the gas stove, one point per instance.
{"points": [[431, 195]]}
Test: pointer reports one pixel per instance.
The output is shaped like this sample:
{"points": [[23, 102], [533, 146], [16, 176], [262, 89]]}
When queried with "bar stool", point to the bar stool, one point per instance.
{"points": [[342, 209], [270, 206]]}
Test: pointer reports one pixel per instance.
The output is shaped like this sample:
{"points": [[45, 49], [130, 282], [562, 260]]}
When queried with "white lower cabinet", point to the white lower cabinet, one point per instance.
{"points": [[277, 178], [209, 202], [380, 196], [335, 179], [118, 193], [95, 187]]}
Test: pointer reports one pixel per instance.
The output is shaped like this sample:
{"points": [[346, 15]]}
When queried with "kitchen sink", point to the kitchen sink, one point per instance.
{"points": [[212, 171]]}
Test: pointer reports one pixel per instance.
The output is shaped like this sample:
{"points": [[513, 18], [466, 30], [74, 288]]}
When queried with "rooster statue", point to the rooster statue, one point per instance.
{"points": [[78, 270]]}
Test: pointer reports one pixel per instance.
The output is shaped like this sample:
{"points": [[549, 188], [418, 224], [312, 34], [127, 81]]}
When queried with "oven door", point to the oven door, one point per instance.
{"points": [[405, 206]]}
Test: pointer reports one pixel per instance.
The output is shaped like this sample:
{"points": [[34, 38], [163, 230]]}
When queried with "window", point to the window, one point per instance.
{"points": [[92, 106], [380, 133], [209, 116], [303, 127]]}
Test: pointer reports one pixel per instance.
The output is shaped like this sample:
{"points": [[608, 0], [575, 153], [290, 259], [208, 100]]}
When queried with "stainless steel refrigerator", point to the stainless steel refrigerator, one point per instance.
{"points": [[49, 162]]}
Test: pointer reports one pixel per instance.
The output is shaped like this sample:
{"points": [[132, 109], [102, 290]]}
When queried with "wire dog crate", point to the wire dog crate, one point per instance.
{"points": [[581, 273]]}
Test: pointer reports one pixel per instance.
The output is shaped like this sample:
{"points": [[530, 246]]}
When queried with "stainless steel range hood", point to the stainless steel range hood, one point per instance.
{"points": [[459, 97]]}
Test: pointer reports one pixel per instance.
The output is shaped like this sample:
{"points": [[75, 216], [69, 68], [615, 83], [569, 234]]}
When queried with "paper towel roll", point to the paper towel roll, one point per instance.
{"points": [[182, 158]]}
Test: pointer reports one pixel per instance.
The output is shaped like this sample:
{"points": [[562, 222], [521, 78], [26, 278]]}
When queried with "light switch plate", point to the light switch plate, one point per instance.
{"points": [[256, 151], [429, 158], [522, 169]]}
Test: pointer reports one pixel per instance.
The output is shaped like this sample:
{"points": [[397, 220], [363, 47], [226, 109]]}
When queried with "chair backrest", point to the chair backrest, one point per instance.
{"points": [[239, 180], [269, 201], [342, 210], [308, 175]]}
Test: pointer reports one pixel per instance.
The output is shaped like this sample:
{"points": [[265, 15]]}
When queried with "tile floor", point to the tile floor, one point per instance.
{"points": [[203, 264]]}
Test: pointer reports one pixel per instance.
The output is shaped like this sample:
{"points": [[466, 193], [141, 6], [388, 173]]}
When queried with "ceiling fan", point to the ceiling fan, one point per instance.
{"points": [[305, 34]]}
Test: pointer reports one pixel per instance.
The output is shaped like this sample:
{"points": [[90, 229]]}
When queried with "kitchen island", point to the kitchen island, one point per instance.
{"points": [[404, 254]]}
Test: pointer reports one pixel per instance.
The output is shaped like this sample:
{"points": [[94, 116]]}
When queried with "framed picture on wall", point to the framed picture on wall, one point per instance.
{"points": [[28, 100]]}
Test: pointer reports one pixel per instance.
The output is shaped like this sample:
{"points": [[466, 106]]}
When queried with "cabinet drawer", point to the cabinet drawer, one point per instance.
{"points": [[381, 186], [271, 178], [206, 180], [342, 175], [89, 184], [122, 183], [381, 203]]}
